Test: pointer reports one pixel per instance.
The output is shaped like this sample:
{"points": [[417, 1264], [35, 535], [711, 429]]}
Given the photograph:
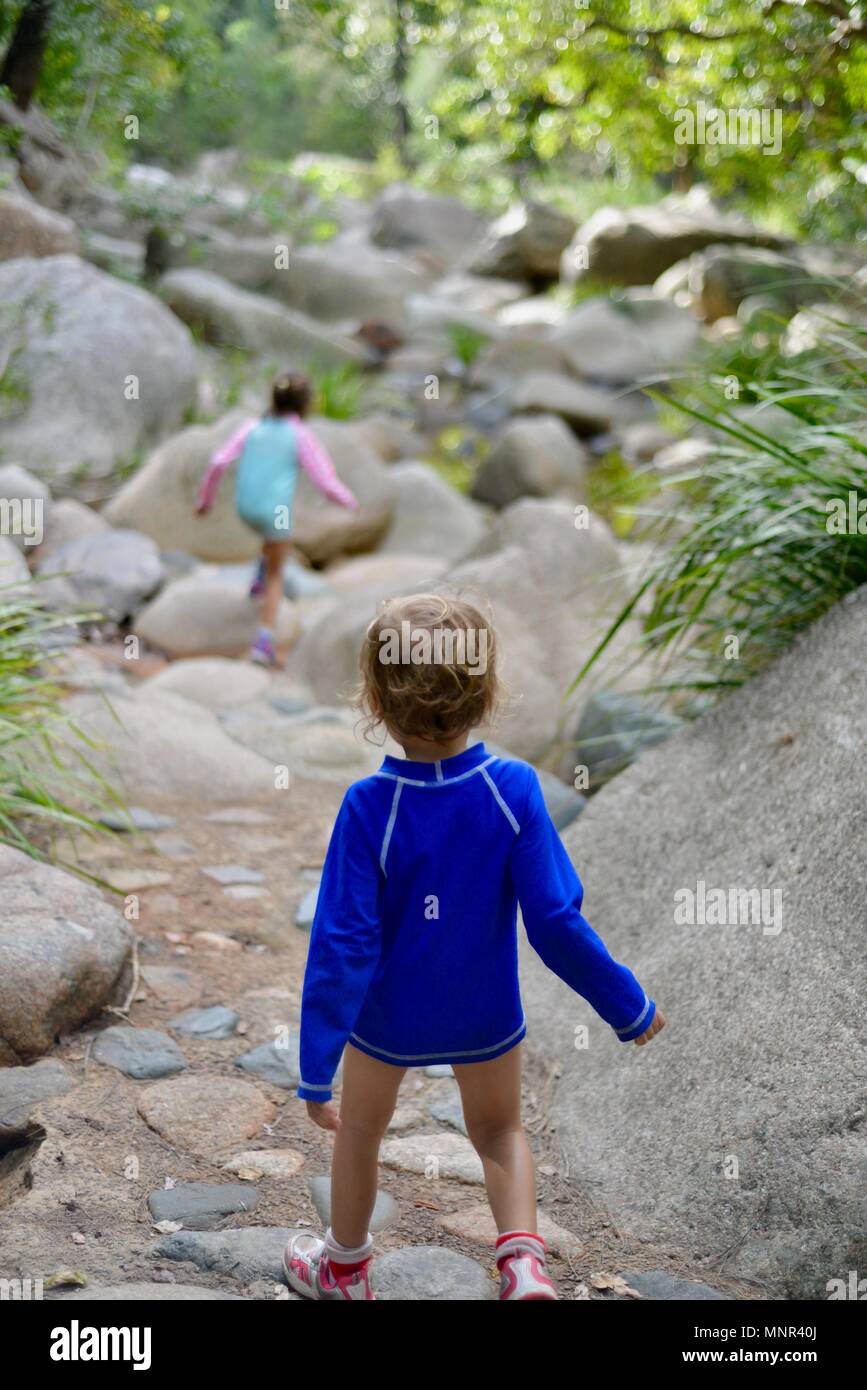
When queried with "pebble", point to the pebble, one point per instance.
{"points": [[173, 986], [439, 1069], [658, 1284], [265, 1163], [243, 892], [173, 847], [385, 1209], [200, 1206], [137, 818], [233, 873], [145, 1054], [307, 909], [215, 1023], [205, 1114], [136, 880], [435, 1156], [279, 1065], [23, 1088], [430, 1274]]}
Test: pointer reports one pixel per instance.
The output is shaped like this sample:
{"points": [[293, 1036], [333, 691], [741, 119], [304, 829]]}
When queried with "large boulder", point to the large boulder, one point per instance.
{"points": [[157, 744], [531, 457], [430, 516], [721, 278], [526, 243], [634, 338], [106, 368], [109, 571], [742, 1129], [65, 952], [68, 521], [159, 499], [206, 615], [632, 246], [27, 229], [410, 219], [588, 409], [234, 318]]}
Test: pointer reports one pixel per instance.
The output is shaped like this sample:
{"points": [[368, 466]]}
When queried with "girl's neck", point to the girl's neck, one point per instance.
{"points": [[420, 750]]}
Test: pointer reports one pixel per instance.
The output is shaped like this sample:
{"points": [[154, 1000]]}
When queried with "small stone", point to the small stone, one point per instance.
{"points": [[385, 1208], [233, 873], [173, 986], [137, 818], [244, 892], [173, 847], [214, 941], [657, 1284], [23, 1088], [205, 1114], [239, 815], [279, 1065], [136, 880], [435, 1156], [266, 1163], [476, 1224], [439, 1069], [200, 1206], [215, 1023], [307, 909], [142, 1053], [430, 1274]]}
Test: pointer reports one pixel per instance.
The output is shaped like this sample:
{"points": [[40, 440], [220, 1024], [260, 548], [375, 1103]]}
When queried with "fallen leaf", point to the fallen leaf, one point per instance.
{"points": [[168, 1228], [63, 1278]]}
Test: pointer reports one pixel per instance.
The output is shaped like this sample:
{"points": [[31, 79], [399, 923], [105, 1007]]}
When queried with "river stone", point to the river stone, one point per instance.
{"points": [[278, 1065], [146, 1293], [635, 338], [233, 873], [142, 1053], [532, 458], [764, 792], [201, 1206], [588, 409], [215, 1024], [109, 571], [68, 521], [385, 1209], [19, 485], [172, 986], [213, 681], [476, 1224], [205, 1114], [526, 243], [434, 1156], [613, 730], [448, 1110], [251, 1252], [28, 229], [426, 1273], [266, 1163], [137, 818], [107, 334], [65, 954], [14, 570], [23, 1088], [659, 1284], [412, 219], [198, 615], [430, 516]]}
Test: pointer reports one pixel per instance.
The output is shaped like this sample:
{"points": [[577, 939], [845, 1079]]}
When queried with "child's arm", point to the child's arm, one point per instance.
{"points": [[220, 460], [550, 894], [344, 950], [315, 461]]}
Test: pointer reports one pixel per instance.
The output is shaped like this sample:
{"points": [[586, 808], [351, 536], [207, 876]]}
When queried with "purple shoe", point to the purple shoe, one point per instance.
{"points": [[262, 652], [257, 588]]}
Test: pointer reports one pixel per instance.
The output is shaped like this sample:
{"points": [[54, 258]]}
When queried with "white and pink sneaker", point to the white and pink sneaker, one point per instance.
{"points": [[308, 1271], [521, 1262]]}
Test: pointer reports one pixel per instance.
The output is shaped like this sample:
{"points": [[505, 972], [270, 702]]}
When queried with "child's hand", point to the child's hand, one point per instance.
{"points": [[323, 1113], [656, 1027]]}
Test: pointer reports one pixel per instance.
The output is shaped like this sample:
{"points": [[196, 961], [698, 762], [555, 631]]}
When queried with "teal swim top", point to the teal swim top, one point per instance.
{"points": [[267, 478]]}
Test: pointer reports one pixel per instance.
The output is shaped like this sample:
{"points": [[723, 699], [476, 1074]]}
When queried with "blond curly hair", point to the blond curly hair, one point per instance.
{"points": [[428, 668]]}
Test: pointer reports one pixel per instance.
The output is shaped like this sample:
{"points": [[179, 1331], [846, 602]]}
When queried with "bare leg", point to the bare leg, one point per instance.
{"points": [[366, 1105], [491, 1098], [274, 556]]}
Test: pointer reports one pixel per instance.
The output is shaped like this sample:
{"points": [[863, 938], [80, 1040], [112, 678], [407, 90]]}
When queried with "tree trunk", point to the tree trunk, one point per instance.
{"points": [[398, 78], [23, 61]]}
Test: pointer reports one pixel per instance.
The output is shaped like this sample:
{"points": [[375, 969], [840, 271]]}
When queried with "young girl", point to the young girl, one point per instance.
{"points": [[413, 955], [270, 451]]}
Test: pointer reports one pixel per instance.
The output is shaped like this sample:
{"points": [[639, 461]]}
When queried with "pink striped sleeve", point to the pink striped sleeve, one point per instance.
{"points": [[315, 461], [220, 460]]}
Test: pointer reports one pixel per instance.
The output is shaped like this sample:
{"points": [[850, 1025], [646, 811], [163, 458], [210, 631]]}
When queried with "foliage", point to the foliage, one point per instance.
{"points": [[751, 548], [338, 391]]}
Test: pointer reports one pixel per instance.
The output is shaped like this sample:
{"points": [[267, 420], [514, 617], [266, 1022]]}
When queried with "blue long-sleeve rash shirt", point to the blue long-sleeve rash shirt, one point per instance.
{"points": [[413, 952]]}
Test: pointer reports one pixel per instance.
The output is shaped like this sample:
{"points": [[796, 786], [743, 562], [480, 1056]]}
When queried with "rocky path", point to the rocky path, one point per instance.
{"points": [[176, 1155]]}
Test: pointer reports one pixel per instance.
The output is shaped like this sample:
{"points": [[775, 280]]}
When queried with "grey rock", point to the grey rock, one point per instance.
{"points": [[659, 1284], [613, 729], [532, 458], [142, 1053], [233, 873], [764, 793], [145, 1293], [253, 1252], [201, 1206], [307, 909], [448, 1110], [65, 954], [279, 1065], [136, 818], [385, 1209], [23, 1088], [439, 1069], [110, 571], [526, 243], [215, 1023], [427, 1273]]}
